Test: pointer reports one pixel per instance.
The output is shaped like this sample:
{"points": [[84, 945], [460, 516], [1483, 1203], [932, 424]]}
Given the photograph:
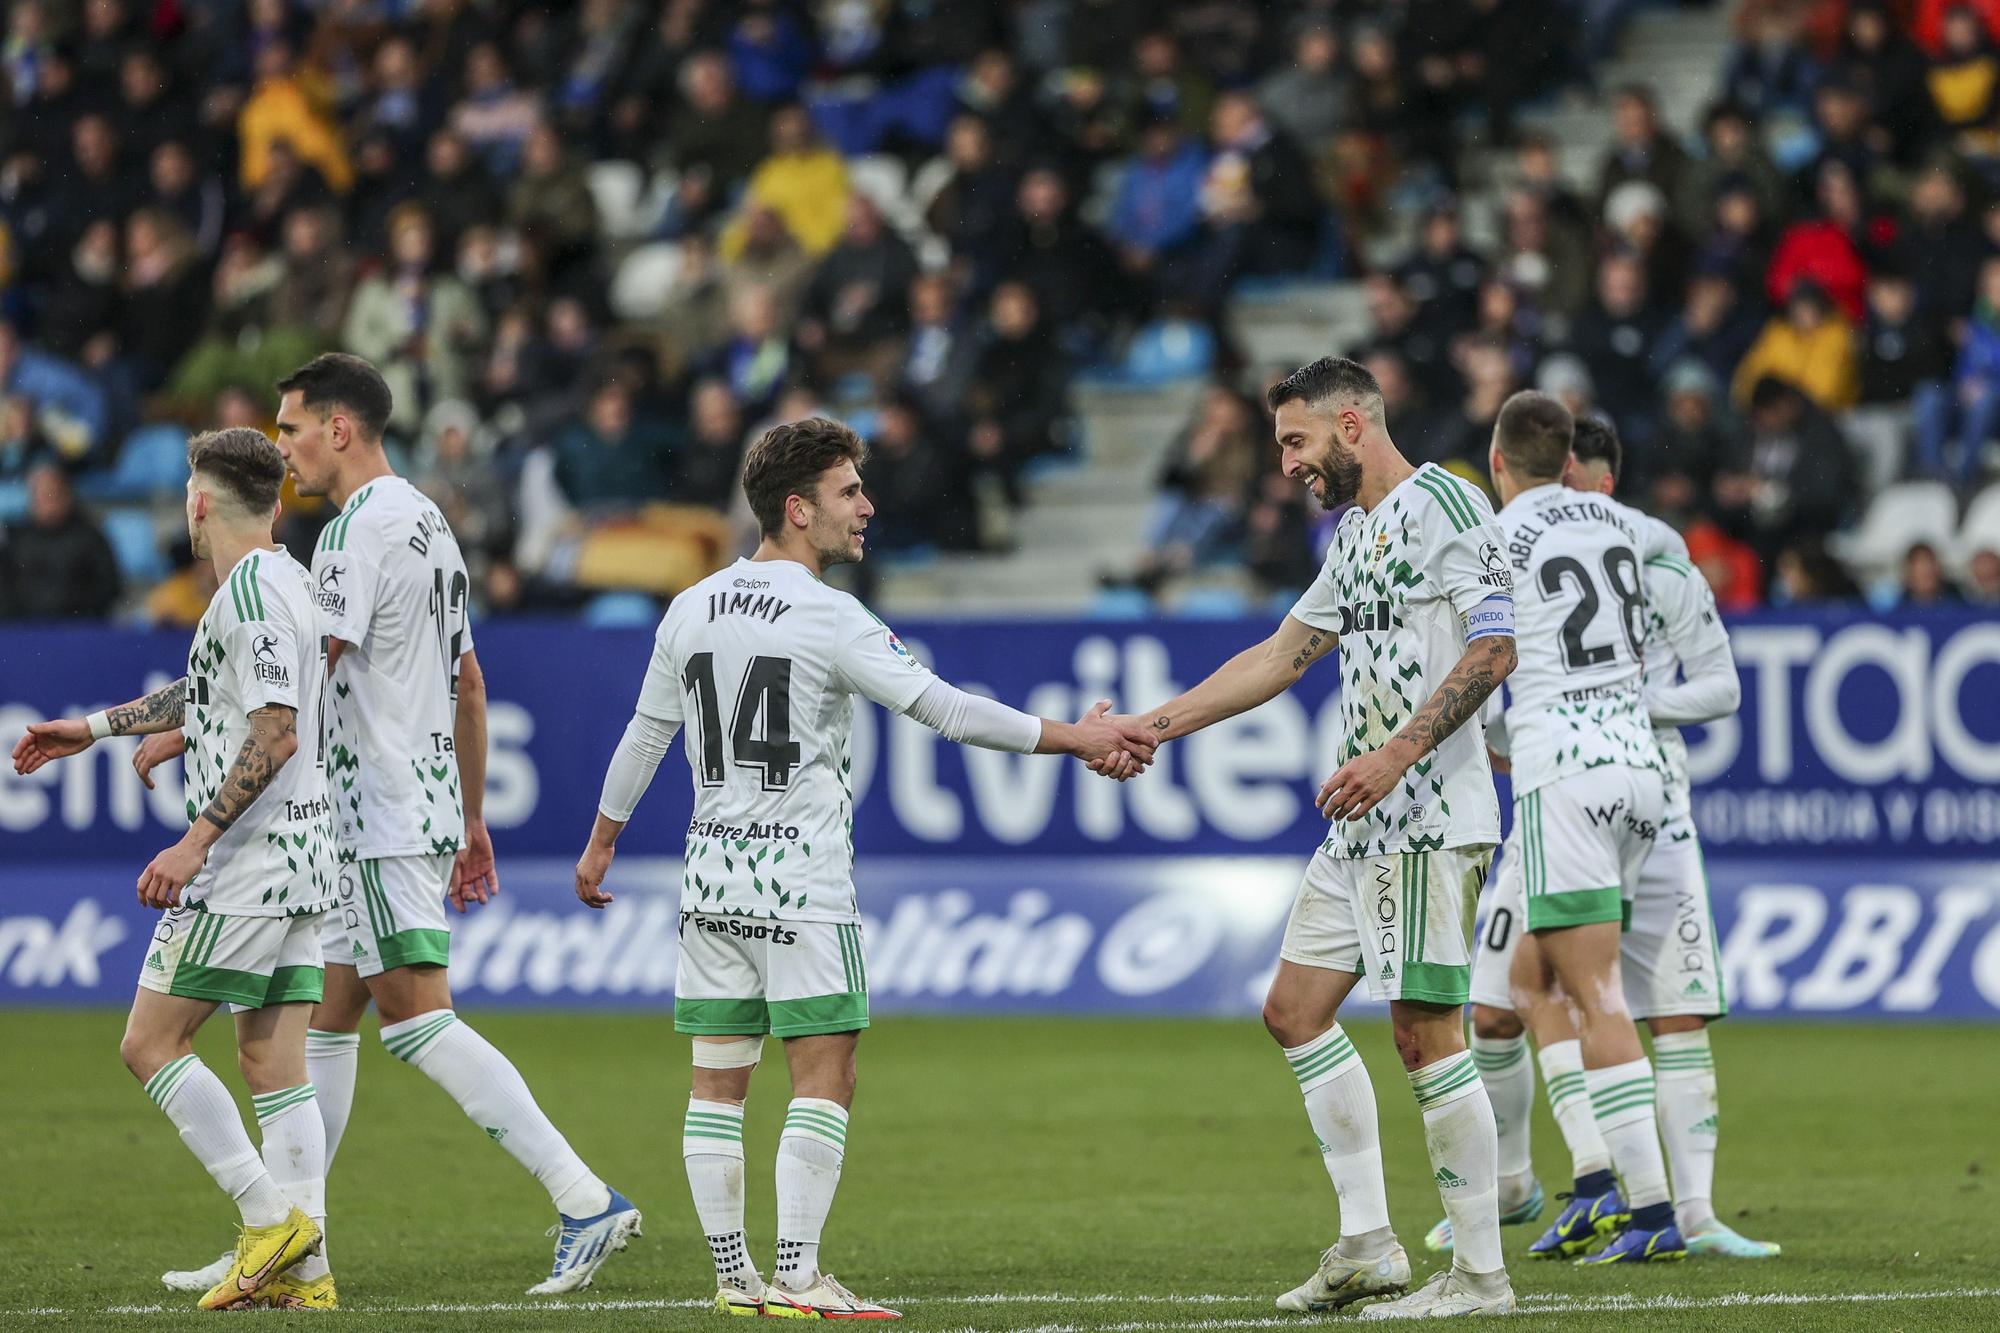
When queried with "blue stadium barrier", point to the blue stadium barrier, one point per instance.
{"points": [[1850, 813]]}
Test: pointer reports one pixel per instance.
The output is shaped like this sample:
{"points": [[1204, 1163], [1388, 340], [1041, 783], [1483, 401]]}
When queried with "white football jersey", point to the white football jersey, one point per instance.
{"points": [[1398, 585], [260, 643], [392, 585], [759, 664], [1684, 623], [1575, 700]]}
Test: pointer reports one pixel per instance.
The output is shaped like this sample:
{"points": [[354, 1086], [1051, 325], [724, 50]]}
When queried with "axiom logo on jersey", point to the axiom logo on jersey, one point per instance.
{"points": [[1365, 617], [750, 583], [737, 927]]}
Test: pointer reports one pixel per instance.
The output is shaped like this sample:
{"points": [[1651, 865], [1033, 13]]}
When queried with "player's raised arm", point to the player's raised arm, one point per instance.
{"points": [[475, 877], [875, 663], [58, 738], [1254, 676]]}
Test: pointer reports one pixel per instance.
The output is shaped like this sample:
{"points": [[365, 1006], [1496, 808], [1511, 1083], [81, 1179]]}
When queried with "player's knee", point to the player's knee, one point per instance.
{"points": [[1286, 1023], [1495, 1024], [143, 1055]]}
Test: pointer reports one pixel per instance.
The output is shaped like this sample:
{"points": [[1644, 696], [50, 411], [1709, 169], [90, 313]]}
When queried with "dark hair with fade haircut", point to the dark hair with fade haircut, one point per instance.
{"points": [[243, 462], [789, 460], [1596, 440], [1534, 435], [335, 379], [1328, 377]]}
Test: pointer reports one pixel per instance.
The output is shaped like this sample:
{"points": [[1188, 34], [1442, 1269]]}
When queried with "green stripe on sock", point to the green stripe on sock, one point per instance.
{"points": [[405, 1045], [268, 1107], [818, 1124], [816, 1118], [168, 1077], [1449, 1067], [1319, 1061], [1430, 1085]]}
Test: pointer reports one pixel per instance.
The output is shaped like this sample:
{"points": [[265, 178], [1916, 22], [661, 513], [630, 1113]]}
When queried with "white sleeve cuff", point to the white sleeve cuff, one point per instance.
{"points": [[973, 719], [633, 764]]}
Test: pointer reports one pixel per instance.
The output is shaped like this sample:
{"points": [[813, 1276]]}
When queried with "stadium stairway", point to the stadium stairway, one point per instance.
{"points": [[1089, 515]]}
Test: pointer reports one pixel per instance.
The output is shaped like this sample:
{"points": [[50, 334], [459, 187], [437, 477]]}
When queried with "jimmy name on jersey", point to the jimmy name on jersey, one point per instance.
{"points": [[1575, 700], [1680, 611], [392, 585], [260, 644], [759, 664], [1398, 586]]}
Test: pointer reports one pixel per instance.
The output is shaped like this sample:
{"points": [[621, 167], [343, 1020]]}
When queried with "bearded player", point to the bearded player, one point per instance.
{"points": [[1416, 595]]}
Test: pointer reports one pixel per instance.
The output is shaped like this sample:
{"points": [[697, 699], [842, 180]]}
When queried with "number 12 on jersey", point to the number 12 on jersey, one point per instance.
{"points": [[766, 692]]}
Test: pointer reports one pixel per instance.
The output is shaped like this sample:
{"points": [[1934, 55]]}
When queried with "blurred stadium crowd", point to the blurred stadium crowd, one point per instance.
{"points": [[595, 247]]}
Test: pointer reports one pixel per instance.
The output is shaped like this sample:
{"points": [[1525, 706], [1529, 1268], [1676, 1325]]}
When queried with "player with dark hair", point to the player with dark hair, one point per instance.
{"points": [[761, 662], [1417, 596], [1589, 802], [1668, 953]]}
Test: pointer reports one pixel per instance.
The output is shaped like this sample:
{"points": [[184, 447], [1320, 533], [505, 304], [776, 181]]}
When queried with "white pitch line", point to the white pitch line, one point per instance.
{"points": [[1533, 1303]]}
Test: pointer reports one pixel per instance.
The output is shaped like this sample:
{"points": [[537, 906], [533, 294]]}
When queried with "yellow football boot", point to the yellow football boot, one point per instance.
{"points": [[287, 1292], [262, 1253]]}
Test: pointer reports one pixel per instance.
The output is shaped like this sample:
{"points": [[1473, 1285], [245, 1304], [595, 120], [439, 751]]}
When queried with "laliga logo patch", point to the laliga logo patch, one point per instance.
{"points": [[896, 646]]}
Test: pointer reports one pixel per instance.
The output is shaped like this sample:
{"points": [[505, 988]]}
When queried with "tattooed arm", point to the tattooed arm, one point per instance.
{"points": [[1254, 676], [1365, 779], [273, 740], [61, 737], [162, 710]]}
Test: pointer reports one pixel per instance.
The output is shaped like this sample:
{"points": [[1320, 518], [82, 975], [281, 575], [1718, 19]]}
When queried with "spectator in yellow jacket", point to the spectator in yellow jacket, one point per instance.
{"points": [[1807, 345], [802, 181], [284, 105]]}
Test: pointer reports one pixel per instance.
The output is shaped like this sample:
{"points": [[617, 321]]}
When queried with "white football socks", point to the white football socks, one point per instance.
{"points": [[1569, 1098], [1464, 1150], [712, 1150], [295, 1157], [810, 1151], [1340, 1103], [1690, 1119], [332, 1059], [489, 1089], [1509, 1077], [1622, 1097], [201, 1109]]}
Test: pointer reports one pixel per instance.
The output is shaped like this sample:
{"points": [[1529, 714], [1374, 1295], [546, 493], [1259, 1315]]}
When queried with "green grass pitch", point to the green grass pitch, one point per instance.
{"points": [[1003, 1174]]}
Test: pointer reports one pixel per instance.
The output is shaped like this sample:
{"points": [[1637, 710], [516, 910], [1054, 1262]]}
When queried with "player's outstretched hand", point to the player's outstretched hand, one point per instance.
{"points": [[1359, 784], [474, 876], [161, 882], [591, 869], [1116, 745], [56, 739], [155, 749]]}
